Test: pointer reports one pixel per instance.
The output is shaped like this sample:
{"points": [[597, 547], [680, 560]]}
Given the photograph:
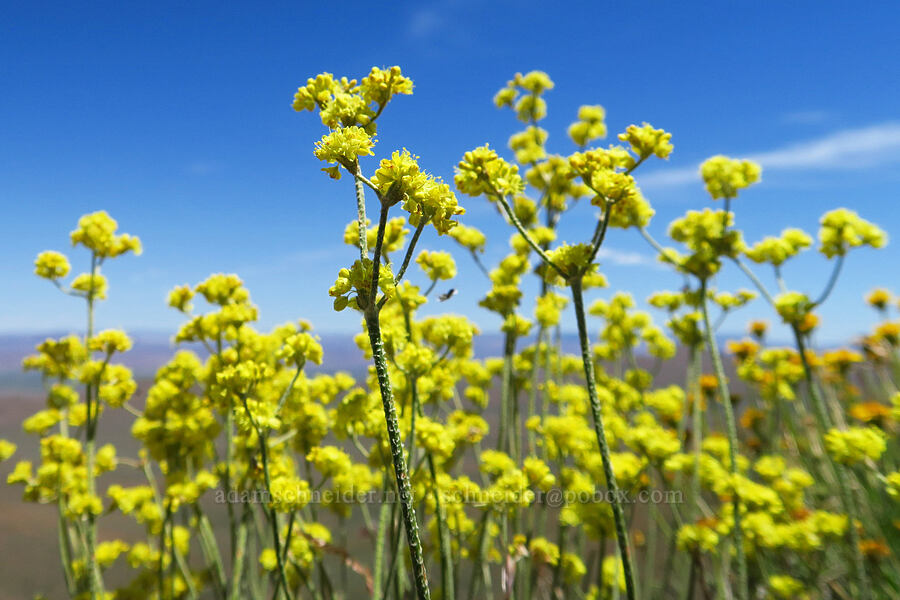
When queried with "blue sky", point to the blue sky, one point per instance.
{"points": [[176, 118]]}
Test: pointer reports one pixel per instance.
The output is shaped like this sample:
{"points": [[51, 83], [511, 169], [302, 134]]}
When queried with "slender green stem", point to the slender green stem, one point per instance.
{"points": [[518, 225], [376, 261], [835, 272], [211, 549], [839, 471], [755, 280], [384, 515], [409, 250], [361, 215], [600, 233], [618, 513], [480, 264], [447, 588], [272, 514], [532, 393], [396, 443], [95, 580], [697, 424], [483, 541], [732, 441], [65, 547], [504, 437], [237, 564]]}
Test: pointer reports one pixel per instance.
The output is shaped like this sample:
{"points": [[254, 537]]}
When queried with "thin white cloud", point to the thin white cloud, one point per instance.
{"points": [[851, 149], [626, 259], [424, 22], [860, 148]]}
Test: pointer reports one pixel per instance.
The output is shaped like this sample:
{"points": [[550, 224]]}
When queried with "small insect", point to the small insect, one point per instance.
{"points": [[447, 295]]}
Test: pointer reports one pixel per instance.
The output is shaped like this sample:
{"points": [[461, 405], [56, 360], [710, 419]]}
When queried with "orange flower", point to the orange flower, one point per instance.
{"points": [[743, 349], [758, 328], [878, 298], [874, 549], [709, 384], [808, 323], [869, 411], [889, 332], [751, 417]]}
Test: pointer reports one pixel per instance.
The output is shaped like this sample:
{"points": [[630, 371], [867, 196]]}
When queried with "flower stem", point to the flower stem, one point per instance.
{"points": [[396, 443], [839, 471], [384, 515], [731, 428], [618, 513], [361, 215]]}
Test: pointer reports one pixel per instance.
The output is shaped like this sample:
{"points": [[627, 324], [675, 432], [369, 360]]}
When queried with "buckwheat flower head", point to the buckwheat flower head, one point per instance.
{"points": [[697, 538], [108, 552], [590, 125], [380, 85], [842, 229], [543, 551], [289, 493], [340, 102], [97, 232], [529, 145], [110, 341], [855, 444], [180, 298], [223, 289], [793, 306], [399, 178], [776, 250], [437, 265], [549, 308], [483, 172], [300, 348], [704, 233], [725, 176], [646, 141], [317, 91], [358, 278], [94, 285], [329, 460], [7, 449], [469, 237], [785, 586], [892, 482], [878, 298], [600, 159], [51, 265], [344, 146]]}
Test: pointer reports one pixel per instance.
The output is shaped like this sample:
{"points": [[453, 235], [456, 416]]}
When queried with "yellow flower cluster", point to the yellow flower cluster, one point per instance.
{"points": [[725, 177], [424, 197], [483, 172], [344, 146], [437, 265], [97, 232], [358, 279], [646, 141], [523, 94], [855, 444], [706, 233], [776, 250], [590, 126], [842, 229]]}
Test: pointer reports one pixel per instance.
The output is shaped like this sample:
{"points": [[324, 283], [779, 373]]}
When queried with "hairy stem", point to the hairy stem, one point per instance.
{"points": [[618, 513], [396, 443]]}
